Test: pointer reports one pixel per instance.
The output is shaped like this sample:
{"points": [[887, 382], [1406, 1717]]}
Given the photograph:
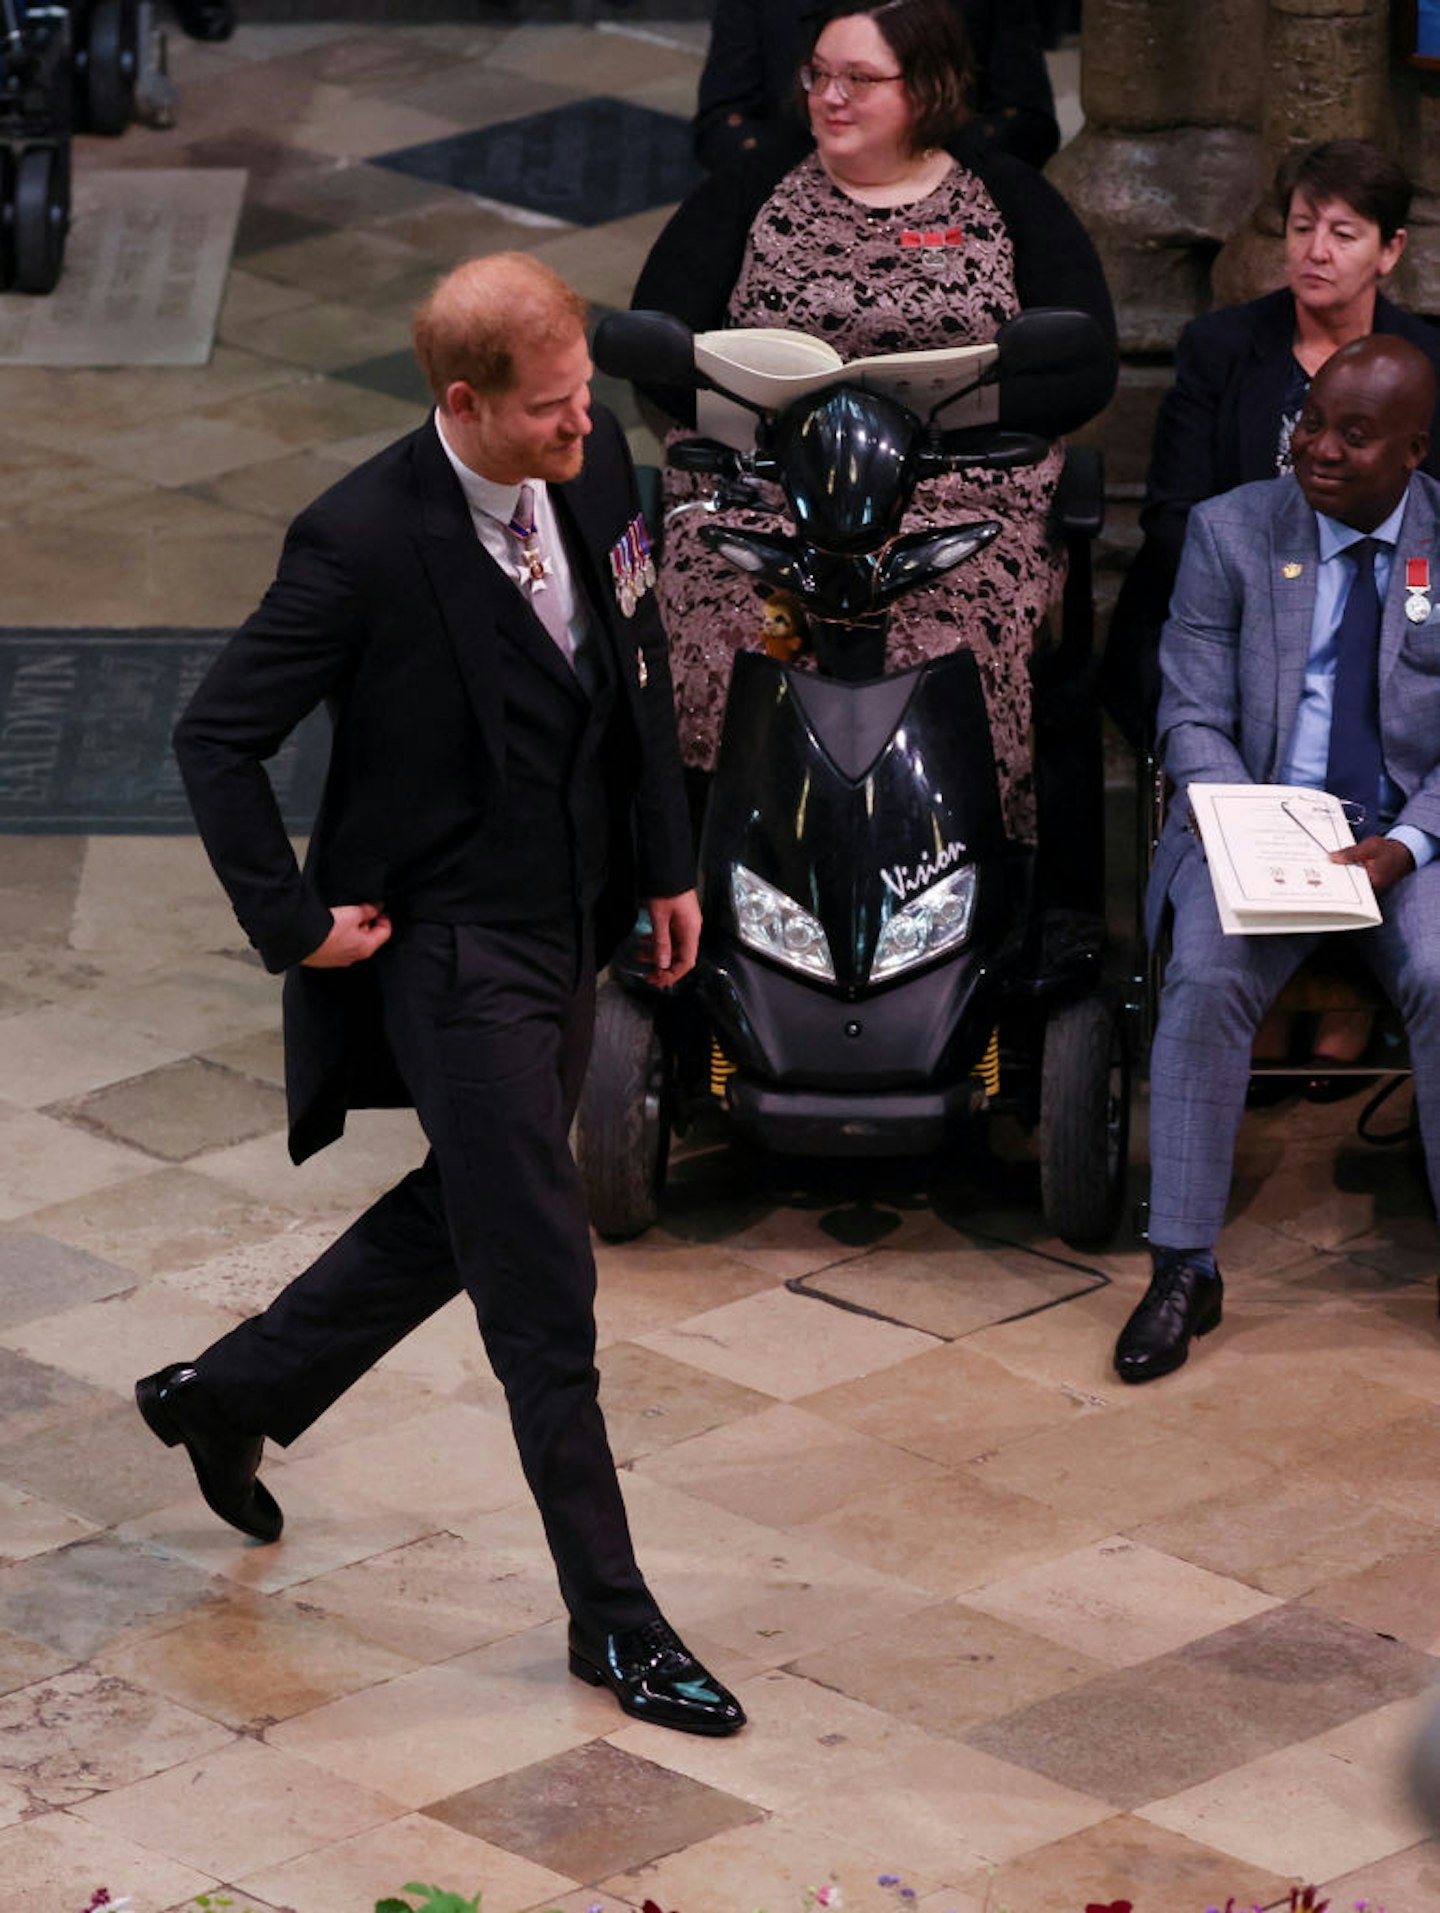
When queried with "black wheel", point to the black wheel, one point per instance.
{"points": [[111, 65], [7, 220], [622, 1127], [42, 215], [1084, 1118]]}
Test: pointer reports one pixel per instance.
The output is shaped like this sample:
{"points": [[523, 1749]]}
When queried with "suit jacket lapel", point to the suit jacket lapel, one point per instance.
{"points": [[1417, 540], [477, 602], [586, 508], [584, 515], [1294, 556], [1262, 393]]}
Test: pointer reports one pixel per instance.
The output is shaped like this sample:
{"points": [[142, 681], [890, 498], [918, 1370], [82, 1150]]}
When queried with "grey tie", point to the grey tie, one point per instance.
{"points": [[536, 574]]}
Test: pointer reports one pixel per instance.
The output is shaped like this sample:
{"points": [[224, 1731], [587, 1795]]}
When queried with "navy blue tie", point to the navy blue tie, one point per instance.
{"points": [[1355, 764]]}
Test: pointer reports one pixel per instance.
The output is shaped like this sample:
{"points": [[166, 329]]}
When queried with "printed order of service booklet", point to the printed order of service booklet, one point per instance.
{"points": [[1268, 848], [773, 367]]}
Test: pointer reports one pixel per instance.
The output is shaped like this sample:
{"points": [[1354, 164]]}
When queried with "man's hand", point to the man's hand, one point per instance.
{"points": [[1385, 859], [674, 940], [357, 931]]}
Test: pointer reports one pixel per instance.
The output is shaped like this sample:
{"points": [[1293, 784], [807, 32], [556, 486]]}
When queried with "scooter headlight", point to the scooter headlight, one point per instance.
{"points": [[777, 927], [936, 920]]}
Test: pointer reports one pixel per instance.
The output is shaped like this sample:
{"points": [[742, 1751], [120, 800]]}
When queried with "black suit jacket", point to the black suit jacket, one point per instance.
{"points": [[756, 46], [386, 606]]}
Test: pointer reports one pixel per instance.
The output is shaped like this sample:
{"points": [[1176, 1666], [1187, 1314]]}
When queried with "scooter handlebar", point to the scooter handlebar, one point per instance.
{"points": [[981, 446], [1056, 370], [704, 455]]}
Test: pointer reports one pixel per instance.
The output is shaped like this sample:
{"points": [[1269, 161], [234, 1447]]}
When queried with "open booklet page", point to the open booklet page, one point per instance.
{"points": [[772, 367], [1267, 847]]}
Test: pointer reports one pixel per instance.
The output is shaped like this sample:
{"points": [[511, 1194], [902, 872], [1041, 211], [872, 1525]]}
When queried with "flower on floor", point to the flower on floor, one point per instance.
{"points": [[435, 1900], [102, 1898], [1303, 1899]]}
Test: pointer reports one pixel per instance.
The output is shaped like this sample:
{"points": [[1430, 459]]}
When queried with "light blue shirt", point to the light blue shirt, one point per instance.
{"points": [[1309, 753]]}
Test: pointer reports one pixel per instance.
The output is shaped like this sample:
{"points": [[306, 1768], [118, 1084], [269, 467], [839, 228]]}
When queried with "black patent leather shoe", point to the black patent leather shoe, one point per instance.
{"points": [[655, 1677], [1335, 1089], [1182, 1300], [225, 1463], [206, 19]]}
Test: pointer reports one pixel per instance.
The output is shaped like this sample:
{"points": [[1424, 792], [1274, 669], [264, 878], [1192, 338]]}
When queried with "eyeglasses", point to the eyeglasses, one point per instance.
{"points": [[850, 84]]}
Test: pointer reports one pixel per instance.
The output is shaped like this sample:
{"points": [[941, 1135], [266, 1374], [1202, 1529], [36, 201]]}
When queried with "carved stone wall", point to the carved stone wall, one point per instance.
{"points": [[1189, 107]]}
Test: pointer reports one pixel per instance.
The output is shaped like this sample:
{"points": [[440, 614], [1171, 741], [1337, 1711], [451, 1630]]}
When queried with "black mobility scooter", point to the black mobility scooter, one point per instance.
{"points": [[872, 976], [61, 67], [35, 94]]}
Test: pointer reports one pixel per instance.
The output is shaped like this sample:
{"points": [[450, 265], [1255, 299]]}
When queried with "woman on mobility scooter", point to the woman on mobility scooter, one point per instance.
{"points": [[880, 240]]}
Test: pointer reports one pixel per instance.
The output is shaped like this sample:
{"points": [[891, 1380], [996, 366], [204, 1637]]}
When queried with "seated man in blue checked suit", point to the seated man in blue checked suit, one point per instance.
{"points": [[1271, 675]]}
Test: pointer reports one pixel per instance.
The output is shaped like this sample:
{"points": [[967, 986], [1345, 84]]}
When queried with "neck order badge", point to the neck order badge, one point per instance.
{"points": [[535, 572]]}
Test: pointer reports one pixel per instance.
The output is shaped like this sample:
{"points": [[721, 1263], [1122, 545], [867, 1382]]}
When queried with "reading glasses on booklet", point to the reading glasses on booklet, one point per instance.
{"points": [[849, 84], [1306, 812]]}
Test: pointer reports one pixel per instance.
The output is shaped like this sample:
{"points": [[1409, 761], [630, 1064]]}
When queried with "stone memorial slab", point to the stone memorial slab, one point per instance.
{"points": [[85, 722], [145, 267]]}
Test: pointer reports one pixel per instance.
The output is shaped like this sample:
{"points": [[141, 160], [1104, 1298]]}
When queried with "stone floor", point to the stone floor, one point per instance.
{"points": [[1006, 1632]]}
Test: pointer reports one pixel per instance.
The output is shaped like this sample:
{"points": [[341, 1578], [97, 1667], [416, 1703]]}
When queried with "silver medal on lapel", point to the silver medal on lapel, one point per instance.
{"points": [[624, 586], [1417, 587]]}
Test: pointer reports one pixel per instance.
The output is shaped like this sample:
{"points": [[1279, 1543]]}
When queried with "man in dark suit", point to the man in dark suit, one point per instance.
{"points": [[504, 784], [1273, 675], [756, 46]]}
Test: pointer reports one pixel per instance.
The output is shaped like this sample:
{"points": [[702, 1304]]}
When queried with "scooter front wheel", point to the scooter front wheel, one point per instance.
{"points": [[1084, 1118], [622, 1125]]}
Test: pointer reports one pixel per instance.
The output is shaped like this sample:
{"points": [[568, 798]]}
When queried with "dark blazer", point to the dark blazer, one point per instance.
{"points": [[386, 606], [756, 46], [1218, 427], [1236, 646], [1220, 420]]}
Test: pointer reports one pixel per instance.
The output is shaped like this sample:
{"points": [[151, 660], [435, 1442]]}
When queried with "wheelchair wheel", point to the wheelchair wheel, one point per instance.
{"points": [[41, 217], [1084, 1118], [7, 219], [622, 1126], [111, 62]]}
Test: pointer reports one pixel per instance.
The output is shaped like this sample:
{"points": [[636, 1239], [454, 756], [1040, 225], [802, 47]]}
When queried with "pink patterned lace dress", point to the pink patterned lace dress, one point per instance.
{"points": [[819, 262]]}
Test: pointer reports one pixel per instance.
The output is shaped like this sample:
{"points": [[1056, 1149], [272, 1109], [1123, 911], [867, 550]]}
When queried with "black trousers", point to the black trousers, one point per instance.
{"points": [[491, 1029]]}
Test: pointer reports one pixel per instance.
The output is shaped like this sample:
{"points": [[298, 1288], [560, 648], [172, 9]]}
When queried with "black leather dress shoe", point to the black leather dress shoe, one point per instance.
{"points": [[1264, 1092], [1335, 1089], [1182, 1300], [654, 1676], [225, 1463], [206, 19]]}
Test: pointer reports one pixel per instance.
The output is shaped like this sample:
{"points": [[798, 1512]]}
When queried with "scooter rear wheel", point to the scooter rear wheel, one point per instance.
{"points": [[622, 1126], [111, 65], [1084, 1118], [42, 215]]}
